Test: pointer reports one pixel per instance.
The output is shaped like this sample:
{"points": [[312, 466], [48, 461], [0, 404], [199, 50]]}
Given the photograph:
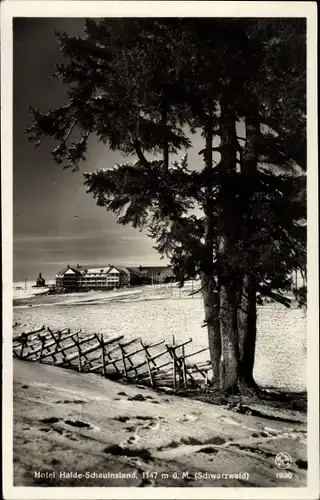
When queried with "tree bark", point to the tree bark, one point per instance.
{"points": [[228, 292], [211, 301], [210, 288], [165, 140], [247, 328], [247, 314], [229, 373]]}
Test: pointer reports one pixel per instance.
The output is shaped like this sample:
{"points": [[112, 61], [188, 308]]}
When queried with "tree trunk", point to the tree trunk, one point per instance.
{"points": [[211, 301], [247, 316], [227, 238], [229, 339], [247, 328], [165, 140], [210, 291]]}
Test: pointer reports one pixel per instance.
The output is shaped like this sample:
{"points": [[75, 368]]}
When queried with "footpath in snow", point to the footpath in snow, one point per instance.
{"points": [[110, 434]]}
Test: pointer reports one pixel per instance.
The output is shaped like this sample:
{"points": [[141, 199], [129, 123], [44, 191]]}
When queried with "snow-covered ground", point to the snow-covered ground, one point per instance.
{"points": [[159, 312], [71, 421], [68, 421], [22, 290]]}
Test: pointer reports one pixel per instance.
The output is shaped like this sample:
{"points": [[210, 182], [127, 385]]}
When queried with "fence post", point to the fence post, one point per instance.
{"points": [[23, 345], [184, 371], [103, 355], [130, 361], [43, 341], [174, 365], [79, 353], [123, 361], [149, 359], [150, 372]]}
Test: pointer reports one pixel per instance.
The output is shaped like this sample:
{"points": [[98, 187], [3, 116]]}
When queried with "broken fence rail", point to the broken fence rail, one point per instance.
{"points": [[111, 356]]}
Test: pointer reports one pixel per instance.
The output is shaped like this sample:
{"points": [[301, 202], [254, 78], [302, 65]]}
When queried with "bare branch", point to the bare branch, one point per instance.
{"points": [[203, 151], [69, 131], [198, 291], [142, 158], [264, 290], [37, 144]]}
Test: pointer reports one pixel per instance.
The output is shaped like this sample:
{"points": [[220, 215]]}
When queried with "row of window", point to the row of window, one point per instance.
{"points": [[99, 275], [85, 283], [90, 281], [89, 278]]}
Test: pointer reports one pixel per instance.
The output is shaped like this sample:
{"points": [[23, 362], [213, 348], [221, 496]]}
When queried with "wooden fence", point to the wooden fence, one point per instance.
{"points": [[158, 364]]}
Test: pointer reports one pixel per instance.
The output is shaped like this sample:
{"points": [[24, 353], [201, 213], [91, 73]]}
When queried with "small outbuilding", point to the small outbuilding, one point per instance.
{"points": [[40, 281]]}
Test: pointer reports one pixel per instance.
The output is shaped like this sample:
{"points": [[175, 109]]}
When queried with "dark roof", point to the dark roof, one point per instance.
{"points": [[141, 271], [103, 266], [122, 269], [77, 270], [135, 271], [150, 271]]}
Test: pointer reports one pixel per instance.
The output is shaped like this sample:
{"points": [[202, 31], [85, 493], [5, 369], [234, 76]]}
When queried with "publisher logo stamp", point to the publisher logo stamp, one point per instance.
{"points": [[283, 460]]}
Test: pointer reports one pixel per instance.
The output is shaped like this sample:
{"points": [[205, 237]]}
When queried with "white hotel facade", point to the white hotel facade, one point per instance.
{"points": [[79, 278], [100, 278]]}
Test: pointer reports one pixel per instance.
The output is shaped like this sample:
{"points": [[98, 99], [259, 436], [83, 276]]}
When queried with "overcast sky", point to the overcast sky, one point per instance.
{"points": [[55, 222]]}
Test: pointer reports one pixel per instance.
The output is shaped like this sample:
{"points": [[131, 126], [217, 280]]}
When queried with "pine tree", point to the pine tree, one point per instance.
{"points": [[136, 84], [277, 100]]}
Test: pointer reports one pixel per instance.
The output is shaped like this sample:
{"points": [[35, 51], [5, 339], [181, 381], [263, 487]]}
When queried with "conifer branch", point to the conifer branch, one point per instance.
{"points": [[203, 151], [199, 290], [73, 124], [142, 158], [39, 141], [264, 290]]}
